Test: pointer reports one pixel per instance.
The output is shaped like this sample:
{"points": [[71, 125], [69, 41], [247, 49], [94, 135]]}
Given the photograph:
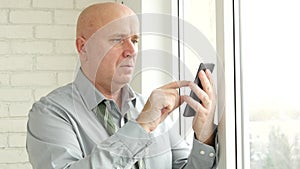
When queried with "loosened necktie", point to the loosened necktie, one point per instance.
{"points": [[107, 121]]}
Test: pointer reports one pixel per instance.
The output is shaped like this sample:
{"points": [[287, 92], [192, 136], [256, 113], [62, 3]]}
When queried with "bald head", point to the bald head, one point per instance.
{"points": [[95, 16]]}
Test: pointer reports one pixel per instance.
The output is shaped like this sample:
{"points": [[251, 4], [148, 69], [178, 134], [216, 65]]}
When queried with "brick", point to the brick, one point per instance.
{"points": [[13, 125], [15, 94], [3, 16], [32, 47], [3, 140], [16, 31], [15, 3], [18, 125], [4, 47], [4, 110], [16, 63], [53, 4], [55, 32], [65, 47], [33, 79], [65, 78], [17, 139], [13, 155], [80, 4], [4, 79], [56, 63], [66, 17], [17, 109], [43, 17], [25, 165], [4, 125]]}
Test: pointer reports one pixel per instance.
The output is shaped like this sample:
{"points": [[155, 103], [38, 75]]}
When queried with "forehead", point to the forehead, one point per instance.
{"points": [[125, 26]]}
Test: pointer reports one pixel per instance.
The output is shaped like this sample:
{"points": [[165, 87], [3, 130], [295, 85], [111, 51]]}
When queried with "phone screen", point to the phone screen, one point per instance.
{"points": [[188, 111]]}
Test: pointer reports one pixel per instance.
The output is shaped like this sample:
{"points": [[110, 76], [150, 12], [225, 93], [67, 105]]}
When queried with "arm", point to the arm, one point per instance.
{"points": [[165, 99], [54, 141], [203, 124], [201, 156]]}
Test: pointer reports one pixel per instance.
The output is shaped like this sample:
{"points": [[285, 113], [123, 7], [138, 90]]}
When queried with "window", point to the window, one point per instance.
{"points": [[270, 89], [197, 32]]}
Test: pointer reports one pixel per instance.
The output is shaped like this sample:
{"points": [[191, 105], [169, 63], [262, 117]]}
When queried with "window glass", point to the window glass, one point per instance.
{"points": [[197, 35], [271, 94]]}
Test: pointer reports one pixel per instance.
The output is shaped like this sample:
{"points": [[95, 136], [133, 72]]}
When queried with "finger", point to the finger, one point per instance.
{"points": [[176, 84], [209, 76], [212, 94], [164, 115], [173, 99], [164, 99], [207, 87], [194, 104], [200, 94]]}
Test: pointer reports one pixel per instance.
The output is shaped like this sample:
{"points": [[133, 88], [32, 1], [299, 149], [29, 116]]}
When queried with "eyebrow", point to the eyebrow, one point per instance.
{"points": [[123, 35]]}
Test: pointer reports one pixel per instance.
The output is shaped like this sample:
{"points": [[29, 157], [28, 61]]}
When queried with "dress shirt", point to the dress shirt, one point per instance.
{"points": [[64, 132]]}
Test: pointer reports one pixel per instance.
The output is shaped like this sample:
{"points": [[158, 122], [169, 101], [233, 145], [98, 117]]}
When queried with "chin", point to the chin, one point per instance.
{"points": [[121, 81]]}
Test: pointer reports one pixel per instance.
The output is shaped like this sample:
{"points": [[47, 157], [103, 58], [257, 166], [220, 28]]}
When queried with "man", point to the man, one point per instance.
{"points": [[98, 121]]}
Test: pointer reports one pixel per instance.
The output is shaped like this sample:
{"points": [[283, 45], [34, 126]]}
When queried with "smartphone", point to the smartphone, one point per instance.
{"points": [[189, 111]]}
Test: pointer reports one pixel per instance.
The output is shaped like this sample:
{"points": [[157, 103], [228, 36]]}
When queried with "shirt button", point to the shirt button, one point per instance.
{"points": [[211, 154], [202, 152]]}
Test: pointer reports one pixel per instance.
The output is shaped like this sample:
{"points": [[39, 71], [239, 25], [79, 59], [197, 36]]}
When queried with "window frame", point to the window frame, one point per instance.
{"points": [[232, 129], [233, 138]]}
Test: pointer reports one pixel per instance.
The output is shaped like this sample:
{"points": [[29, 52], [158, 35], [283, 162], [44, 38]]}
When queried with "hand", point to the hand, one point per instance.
{"points": [[203, 122], [160, 104]]}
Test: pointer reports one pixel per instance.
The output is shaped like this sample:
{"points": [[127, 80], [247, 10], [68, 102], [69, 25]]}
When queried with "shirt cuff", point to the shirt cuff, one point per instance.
{"points": [[202, 154], [135, 138]]}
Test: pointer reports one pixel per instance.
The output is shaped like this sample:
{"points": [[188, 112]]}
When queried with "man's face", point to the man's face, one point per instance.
{"points": [[112, 51]]}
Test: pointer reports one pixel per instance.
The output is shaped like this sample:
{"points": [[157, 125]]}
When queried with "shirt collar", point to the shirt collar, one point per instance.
{"points": [[92, 97]]}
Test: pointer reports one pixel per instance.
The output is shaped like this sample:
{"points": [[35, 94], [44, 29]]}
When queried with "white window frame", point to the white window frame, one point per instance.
{"points": [[232, 135], [232, 130]]}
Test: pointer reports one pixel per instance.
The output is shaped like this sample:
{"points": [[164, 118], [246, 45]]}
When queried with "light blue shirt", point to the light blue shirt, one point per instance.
{"points": [[64, 132]]}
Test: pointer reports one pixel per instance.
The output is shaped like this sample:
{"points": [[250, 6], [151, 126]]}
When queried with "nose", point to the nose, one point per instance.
{"points": [[130, 48]]}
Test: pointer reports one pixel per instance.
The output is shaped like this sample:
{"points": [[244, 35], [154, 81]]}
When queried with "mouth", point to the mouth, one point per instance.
{"points": [[127, 66]]}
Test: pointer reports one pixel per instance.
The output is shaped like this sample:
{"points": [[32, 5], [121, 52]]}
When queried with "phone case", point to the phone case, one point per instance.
{"points": [[188, 111]]}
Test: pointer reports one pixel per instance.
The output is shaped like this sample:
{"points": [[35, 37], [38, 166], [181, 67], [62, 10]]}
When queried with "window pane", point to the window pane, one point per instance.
{"points": [[198, 34], [270, 61]]}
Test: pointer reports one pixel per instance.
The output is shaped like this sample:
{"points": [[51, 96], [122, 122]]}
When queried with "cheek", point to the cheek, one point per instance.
{"points": [[109, 63], [114, 57]]}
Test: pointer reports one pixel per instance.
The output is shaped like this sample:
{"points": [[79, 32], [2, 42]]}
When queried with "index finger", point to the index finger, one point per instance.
{"points": [[176, 84], [209, 76]]}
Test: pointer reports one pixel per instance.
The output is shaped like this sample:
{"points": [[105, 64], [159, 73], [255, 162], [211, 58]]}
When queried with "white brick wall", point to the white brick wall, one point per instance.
{"points": [[16, 31], [7, 4], [16, 63], [3, 16], [55, 32], [30, 16], [37, 55], [65, 4]]}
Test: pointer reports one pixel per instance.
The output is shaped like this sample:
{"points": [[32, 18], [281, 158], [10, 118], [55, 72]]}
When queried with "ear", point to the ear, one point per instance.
{"points": [[80, 43]]}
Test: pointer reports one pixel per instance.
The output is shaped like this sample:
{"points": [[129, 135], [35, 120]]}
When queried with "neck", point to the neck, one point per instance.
{"points": [[115, 95]]}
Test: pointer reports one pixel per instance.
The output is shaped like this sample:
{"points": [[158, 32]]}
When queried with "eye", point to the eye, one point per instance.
{"points": [[116, 40], [134, 41]]}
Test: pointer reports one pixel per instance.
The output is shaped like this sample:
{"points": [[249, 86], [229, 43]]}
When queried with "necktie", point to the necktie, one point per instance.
{"points": [[107, 121]]}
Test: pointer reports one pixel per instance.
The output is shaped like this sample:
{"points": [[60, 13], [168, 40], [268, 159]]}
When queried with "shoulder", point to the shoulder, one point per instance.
{"points": [[57, 101], [58, 95]]}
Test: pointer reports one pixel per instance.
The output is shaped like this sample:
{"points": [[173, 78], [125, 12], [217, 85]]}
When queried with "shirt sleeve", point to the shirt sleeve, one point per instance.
{"points": [[53, 143], [202, 156]]}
